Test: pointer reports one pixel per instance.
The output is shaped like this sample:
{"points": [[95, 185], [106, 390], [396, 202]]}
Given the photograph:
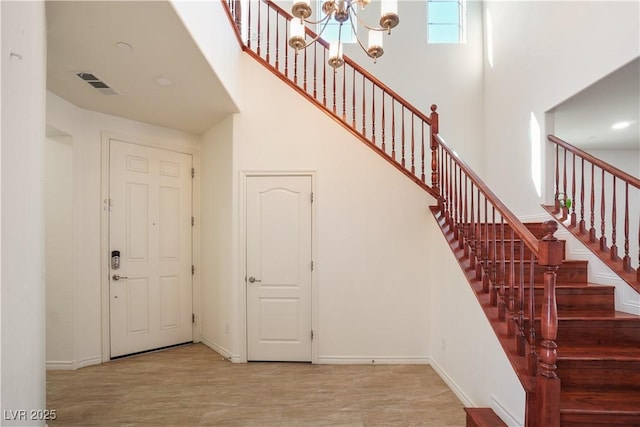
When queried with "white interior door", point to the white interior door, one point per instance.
{"points": [[278, 271], [150, 225]]}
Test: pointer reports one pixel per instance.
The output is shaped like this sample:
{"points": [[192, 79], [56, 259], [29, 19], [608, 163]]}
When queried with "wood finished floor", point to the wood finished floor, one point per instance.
{"points": [[193, 386]]}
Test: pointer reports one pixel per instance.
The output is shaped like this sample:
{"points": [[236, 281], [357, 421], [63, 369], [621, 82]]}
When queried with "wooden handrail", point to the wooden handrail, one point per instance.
{"points": [[596, 161], [527, 236]]}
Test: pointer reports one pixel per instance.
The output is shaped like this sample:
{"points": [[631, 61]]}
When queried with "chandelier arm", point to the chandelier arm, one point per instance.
{"points": [[317, 35], [355, 33], [365, 25], [325, 19]]}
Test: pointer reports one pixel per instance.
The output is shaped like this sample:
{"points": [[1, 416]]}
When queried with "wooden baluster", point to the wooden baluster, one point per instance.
{"points": [[413, 144], [353, 100], [564, 183], [422, 147], [259, 25], [583, 228], [573, 193], [305, 67], [295, 63], [447, 193], [478, 249], [511, 306], [268, 37], [249, 26], [383, 146], [502, 307], [459, 215], [603, 238], [493, 296], [454, 197], [472, 231], [344, 94], [547, 382], [520, 343], [364, 110], [403, 139], [324, 77], [533, 356], [286, 65], [333, 90], [592, 229], [393, 130], [464, 241], [315, 71], [638, 269], [373, 114], [613, 251], [556, 206], [626, 260], [486, 285], [434, 150]]}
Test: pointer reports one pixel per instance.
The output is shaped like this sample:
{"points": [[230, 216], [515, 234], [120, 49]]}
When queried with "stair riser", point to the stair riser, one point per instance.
{"points": [[599, 375], [599, 420], [481, 248], [567, 273], [586, 332], [572, 299]]}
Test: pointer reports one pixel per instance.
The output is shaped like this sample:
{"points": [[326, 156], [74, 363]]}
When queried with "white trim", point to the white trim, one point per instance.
{"points": [[60, 365], [507, 417], [242, 330], [466, 400], [371, 360], [88, 361], [226, 354], [185, 148]]}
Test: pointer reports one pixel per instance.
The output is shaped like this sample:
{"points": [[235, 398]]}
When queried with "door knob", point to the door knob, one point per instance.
{"points": [[253, 280], [118, 277]]}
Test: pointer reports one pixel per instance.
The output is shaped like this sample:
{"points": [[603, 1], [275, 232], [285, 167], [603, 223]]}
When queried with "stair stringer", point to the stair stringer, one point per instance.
{"points": [[465, 350]]}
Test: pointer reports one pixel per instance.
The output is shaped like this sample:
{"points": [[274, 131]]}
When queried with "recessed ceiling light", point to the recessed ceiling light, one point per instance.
{"points": [[620, 125], [162, 81], [124, 46]]}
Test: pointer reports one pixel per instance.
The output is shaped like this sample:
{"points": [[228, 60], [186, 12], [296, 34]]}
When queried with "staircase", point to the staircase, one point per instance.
{"points": [[576, 357], [598, 348]]}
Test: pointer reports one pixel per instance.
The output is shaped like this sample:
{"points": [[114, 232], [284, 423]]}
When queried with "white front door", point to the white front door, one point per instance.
{"points": [[150, 302], [278, 271]]}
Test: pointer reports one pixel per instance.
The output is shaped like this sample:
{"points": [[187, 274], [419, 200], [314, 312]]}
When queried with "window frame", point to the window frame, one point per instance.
{"points": [[461, 22]]}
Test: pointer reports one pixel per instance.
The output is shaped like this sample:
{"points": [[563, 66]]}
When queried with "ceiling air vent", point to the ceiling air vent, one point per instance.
{"points": [[97, 83]]}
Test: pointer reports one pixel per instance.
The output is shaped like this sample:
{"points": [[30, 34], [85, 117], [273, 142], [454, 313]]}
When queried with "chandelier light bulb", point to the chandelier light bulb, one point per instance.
{"points": [[375, 45], [335, 54], [296, 34]]}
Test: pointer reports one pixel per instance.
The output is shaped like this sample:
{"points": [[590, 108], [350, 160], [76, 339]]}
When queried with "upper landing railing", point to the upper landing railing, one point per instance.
{"points": [[599, 204]]}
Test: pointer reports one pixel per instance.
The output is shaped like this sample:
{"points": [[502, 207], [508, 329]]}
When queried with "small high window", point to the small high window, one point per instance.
{"points": [[330, 33], [446, 21]]}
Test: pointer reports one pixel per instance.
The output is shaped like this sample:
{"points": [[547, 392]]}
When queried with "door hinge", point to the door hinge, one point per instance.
{"points": [[193, 221], [193, 270], [193, 173], [312, 265], [312, 334], [311, 197], [193, 318]]}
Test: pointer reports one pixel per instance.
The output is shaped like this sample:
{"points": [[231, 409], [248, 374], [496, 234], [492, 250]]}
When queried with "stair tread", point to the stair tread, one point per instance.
{"points": [[598, 315], [601, 402], [594, 353]]}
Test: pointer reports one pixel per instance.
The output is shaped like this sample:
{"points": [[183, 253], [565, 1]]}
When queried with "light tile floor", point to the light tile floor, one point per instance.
{"points": [[194, 386]]}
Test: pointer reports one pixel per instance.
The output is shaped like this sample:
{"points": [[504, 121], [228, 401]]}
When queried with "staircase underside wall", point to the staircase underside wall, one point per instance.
{"points": [[464, 348]]}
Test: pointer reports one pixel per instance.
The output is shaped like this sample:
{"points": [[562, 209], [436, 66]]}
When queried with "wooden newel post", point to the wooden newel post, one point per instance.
{"points": [[547, 382], [434, 154]]}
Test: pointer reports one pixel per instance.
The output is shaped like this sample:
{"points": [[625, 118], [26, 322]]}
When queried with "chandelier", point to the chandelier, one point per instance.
{"points": [[342, 11]]}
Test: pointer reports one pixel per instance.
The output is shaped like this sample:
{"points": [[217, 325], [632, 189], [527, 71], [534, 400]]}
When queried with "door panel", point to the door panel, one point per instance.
{"points": [[279, 258], [150, 224]]}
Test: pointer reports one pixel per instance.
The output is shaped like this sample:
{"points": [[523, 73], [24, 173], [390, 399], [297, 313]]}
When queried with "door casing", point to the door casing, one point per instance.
{"points": [[104, 232]]}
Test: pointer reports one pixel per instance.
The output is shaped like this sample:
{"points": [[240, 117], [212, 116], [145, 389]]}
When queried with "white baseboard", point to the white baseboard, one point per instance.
{"points": [[221, 350], [60, 365], [466, 400], [72, 365], [368, 360], [505, 415]]}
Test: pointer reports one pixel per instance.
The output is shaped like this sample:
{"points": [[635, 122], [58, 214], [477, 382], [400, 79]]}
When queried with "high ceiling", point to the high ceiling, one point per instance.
{"points": [[88, 37], [586, 119]]}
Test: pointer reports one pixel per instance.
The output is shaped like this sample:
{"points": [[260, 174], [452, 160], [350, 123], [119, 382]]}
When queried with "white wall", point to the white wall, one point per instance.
{"points": [[58, 249], [218, 290], [86, 128], [543, 53], [22, 287], [464, 348]]}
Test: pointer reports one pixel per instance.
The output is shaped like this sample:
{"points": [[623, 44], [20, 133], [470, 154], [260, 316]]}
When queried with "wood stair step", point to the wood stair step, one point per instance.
{"points": [[483, 417], [584, 368], [573, 297], [589, 409]]}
